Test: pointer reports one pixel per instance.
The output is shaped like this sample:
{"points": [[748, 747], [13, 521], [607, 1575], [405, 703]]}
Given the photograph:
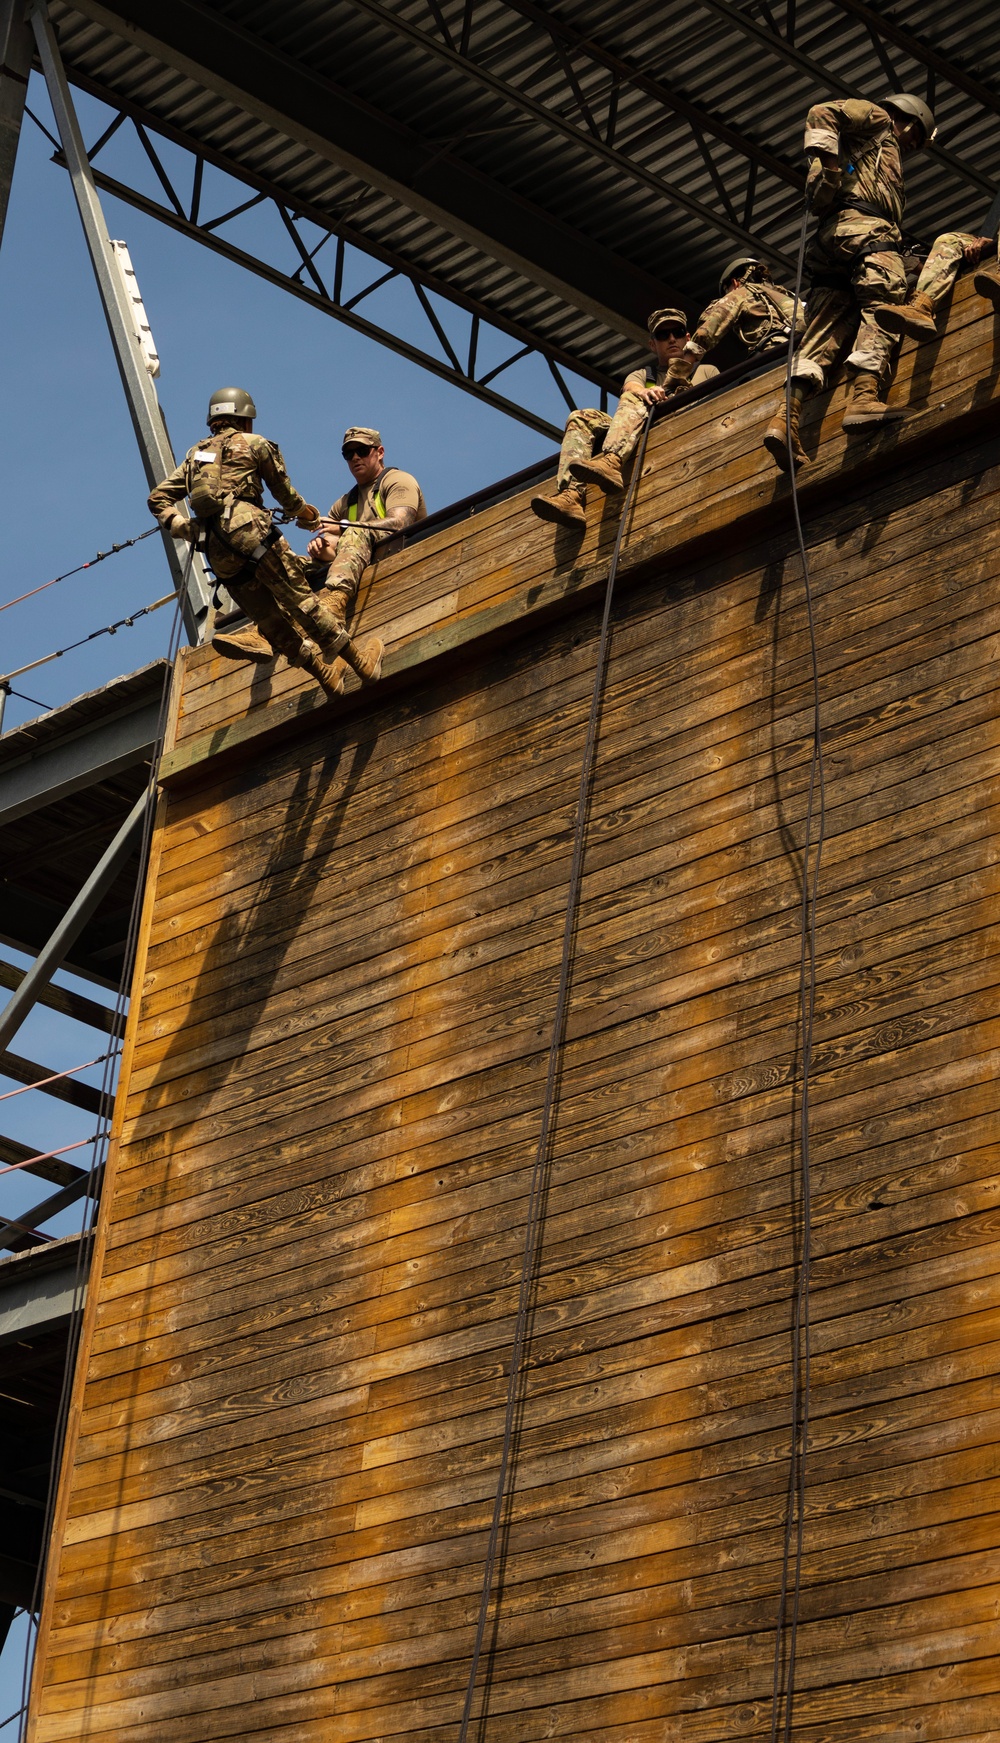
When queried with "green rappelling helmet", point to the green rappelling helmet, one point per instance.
{"points": [[741, 267], [914, 110], [231, 402]]}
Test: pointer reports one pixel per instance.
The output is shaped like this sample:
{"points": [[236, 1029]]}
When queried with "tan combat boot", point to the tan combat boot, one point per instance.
{"points": [[325, 614], [776, 437], [566, 508], [866, 409], [366, 661], [604, 470], [328, 676], [243, 644], [987, 283], [915, 318]]}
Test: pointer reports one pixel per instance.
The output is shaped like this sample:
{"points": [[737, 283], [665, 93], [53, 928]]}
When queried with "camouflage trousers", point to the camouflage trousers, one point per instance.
{"points": [[275, 594], [592, 432], [942, 266], [357, 546], [840, 308]]}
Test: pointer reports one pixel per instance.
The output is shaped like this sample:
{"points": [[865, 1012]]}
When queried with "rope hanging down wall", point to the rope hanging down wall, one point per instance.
{"points": [[791, 1565], [540, 1170]]}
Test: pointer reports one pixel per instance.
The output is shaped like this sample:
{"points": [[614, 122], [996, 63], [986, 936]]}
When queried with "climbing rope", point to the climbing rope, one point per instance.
{"points": [[791, 1562], [540, 1170]]}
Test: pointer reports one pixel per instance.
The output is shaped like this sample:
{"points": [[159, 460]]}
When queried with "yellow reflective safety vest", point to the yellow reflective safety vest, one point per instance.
{"points": [[377, 502]]}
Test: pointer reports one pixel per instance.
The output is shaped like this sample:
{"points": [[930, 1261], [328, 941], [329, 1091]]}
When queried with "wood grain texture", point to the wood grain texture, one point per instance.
{"points": [[287, 1421]]}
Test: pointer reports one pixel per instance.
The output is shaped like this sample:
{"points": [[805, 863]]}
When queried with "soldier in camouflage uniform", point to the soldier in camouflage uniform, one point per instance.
{"points": [[595, 445], [855, 186], [951, 252], [750, 307], [379, 507], [224, 480]]}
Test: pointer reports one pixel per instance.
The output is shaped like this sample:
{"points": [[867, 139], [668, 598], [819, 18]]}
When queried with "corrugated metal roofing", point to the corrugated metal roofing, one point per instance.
{"points": [[661, 134]]}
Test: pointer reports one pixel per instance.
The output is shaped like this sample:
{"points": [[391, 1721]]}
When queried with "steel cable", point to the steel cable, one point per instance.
{"points": [[791, 1565], [80, 567], [108, 629], [536, 1191], [56, 1076]]}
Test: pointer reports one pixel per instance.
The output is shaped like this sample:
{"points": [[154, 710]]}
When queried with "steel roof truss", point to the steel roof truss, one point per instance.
{"points": [[178, 215]]}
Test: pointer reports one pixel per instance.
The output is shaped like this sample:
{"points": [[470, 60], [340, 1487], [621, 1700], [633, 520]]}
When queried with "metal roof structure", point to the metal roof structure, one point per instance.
{"points": [[40, 1292], [552, 172], [67, 781]]}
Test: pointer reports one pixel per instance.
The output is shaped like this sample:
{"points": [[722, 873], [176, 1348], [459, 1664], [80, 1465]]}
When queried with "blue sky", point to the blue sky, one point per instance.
{"points": [[74, 483]]}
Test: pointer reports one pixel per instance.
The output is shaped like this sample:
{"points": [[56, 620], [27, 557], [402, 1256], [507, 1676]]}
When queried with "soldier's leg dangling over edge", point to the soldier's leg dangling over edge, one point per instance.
{"points": [[605, 469], [334, 604], [584, 434]]}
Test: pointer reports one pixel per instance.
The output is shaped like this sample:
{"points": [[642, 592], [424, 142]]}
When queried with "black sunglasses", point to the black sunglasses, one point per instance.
{"points": [[670, 333], [356, 453]]}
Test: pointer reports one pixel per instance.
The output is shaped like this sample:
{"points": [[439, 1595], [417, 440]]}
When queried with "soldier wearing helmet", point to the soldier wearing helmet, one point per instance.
{"points": [[595, 446], [224, 480], [750, 308], [855, 187]]}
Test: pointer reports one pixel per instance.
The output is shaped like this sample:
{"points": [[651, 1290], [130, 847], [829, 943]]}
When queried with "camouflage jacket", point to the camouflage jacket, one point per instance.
{"points": [[651, 375], [860, 135], [755, 314], [235, 465]]}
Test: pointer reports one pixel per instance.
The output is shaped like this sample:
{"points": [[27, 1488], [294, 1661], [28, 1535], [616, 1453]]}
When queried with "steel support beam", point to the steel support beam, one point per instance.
{"points": [[316, 296], [54, 773], [186, 566], [38, 1295], [15, 66], [54, 952], [68, 1089], [53, 1168], [58, 998], [923, 52], [551, 119], [227, 59], [826, 81], [16, 1228]]}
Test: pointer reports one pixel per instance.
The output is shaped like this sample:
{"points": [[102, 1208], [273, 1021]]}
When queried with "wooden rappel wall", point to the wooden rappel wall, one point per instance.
{"points": [[286, 1426]]}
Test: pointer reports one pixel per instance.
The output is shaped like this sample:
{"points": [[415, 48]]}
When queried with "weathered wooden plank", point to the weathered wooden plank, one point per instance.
{"points": [[286, 1432]]}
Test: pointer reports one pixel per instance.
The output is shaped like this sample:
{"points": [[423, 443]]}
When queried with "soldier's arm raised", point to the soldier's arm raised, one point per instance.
{"points": [[275, 476], [714, 323]]}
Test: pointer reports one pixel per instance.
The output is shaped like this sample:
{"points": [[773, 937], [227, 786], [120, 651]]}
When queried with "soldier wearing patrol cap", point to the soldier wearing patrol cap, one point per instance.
{"points": [[855, 187], [750, 308], [367, 520], [224, 479], [595, 445]]}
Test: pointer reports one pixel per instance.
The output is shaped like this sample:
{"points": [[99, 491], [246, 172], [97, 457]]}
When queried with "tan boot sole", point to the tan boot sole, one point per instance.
{"points": [[232, 651], [549, 508], [376, 658], [863, 420]]}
